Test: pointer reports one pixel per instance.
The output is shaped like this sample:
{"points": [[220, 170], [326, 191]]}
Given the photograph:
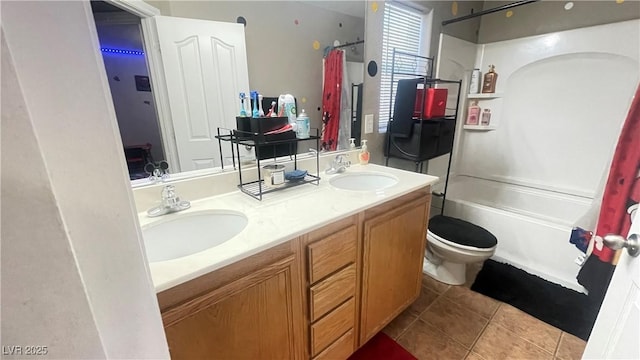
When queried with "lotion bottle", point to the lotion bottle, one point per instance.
{"points": [[486, 117], [363, 156], [490, 78], [473, 115]]}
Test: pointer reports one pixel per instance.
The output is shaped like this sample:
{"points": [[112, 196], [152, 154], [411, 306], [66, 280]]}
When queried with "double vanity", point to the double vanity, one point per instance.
{"points": [[310, 272]]}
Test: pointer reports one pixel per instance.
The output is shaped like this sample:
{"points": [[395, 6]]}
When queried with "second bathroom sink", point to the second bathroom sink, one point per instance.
{"points": [[363, 181], [187, 234]]}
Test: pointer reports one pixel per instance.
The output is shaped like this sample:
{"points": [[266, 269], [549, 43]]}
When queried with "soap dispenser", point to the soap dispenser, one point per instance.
{"points": [[363, 156], [490, 78]]}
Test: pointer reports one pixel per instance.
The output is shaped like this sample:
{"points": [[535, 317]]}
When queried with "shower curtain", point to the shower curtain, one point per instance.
{"points": [[619, 203], [336, 128]]}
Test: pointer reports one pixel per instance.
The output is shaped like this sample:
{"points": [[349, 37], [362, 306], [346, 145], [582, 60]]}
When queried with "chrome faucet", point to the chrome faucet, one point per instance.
{"points": [[170, 203], [338, 165]]}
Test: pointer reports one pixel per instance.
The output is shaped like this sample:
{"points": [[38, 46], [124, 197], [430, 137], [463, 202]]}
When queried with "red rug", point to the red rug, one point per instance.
{"points": [[382, 347]]}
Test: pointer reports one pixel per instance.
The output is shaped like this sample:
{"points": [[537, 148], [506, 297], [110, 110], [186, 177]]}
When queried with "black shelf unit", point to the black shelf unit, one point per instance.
{"points": [[414, 138], [269, 144]]}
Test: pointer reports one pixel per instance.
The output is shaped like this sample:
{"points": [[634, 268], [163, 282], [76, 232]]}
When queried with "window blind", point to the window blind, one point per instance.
{"points": [[401, 30]]}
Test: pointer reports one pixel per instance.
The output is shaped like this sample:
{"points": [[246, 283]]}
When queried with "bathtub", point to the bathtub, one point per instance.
{"points": [[532, 225]]}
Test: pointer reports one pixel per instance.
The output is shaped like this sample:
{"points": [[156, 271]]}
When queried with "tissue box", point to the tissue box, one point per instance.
{"points": [[435, 103]]}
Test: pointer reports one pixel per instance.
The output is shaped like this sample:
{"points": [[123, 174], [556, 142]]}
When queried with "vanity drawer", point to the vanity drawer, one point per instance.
{"points": [[332, 253], [340, 349], [332, 291], [331, 327]]}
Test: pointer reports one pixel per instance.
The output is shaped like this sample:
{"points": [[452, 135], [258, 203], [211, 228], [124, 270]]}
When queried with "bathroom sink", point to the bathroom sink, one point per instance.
{"points": [[365, 181], [181, 235]]}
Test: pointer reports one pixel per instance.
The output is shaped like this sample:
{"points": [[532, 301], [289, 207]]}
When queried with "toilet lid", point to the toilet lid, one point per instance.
{"points": [[461, 232]]}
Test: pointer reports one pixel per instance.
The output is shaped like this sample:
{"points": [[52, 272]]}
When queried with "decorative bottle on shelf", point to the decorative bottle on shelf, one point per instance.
{"points": [[473, 115], [490, 78], [486, 117], [474, 86]]}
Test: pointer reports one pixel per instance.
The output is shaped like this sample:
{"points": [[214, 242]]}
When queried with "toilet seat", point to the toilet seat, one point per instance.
{"points": [[457, 232], [459, 246]]}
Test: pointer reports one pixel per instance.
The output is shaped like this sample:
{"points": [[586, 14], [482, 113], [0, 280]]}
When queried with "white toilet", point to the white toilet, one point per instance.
{"points": [[451, 244]]}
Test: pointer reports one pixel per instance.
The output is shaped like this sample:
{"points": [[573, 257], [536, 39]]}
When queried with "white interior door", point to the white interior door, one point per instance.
{"points": [[616, 333], [205, 66]]}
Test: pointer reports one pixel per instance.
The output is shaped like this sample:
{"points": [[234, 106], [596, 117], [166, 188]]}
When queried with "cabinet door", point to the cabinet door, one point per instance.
{"points": [[251, 318], [394, 245]]}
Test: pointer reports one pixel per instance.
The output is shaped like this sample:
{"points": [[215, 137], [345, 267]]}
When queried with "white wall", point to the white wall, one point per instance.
{"points": [[454, 62], [34, 290], [74, 275], [566, 95], [135, 109]]}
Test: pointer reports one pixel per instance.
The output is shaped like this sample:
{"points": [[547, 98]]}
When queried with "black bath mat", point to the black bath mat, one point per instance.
{"points": [[566, 309]]}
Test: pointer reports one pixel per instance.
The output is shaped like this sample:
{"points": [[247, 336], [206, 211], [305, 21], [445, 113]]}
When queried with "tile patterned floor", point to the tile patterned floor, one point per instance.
{"points": [[455, 323]]}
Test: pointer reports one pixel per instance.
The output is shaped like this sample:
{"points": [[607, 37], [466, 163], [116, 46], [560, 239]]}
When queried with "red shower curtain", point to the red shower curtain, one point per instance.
{"points": [[331, 99], [619, 202]]}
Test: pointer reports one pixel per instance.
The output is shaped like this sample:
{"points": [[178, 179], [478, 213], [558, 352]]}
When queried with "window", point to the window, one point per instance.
{"points": [[402, 27]]}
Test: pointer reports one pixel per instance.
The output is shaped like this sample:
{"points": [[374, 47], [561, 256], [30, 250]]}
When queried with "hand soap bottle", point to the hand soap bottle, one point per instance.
{"points": [[473, 115], [490, 78], [363, 156]]}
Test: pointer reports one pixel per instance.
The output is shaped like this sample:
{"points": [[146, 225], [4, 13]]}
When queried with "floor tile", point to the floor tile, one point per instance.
{"points": [[434, 285], [497, 343], [425, 342], [570, 347], [473, 301], [400, 324], [455, 320], [423, 301], [473, 356], [527, 327]]}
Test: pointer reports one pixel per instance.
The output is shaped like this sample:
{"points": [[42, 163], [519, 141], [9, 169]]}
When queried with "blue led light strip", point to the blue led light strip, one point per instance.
{"points": [[121, 51]]}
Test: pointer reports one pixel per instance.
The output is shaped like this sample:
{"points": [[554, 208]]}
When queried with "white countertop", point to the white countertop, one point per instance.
{"points": [[279, 217]]}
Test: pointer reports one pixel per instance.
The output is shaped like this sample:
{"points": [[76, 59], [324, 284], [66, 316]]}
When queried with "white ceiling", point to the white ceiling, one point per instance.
{"points": [[353, 8]]}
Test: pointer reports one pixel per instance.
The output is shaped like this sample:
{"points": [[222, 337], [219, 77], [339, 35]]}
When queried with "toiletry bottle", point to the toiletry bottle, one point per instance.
{"points": [[490, 78], [302, 125], [254, 99], [473, 115], [486, 117], [352, 143], [363, 156], [243, 112], [260, 111], [474, 86]]}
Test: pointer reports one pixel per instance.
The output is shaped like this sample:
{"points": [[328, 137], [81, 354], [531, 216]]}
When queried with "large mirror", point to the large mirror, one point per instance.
{"points": [[286, 44]]}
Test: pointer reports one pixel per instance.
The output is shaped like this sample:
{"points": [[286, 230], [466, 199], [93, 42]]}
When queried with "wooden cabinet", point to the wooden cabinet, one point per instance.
{"points": [[393, 251], [256, 316], [320, 296]]}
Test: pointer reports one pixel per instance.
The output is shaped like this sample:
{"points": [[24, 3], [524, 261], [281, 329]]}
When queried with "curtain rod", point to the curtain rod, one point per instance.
{"points": [[349, 44], [489, 11]]}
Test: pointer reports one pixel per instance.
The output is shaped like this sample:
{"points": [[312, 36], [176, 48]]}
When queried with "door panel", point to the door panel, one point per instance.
{"points": [[205, 66], [616, 332], [254, 317], [394, 245]]}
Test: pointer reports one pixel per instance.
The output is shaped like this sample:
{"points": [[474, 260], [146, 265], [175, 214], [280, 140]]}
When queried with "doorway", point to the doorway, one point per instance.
{"points": [[127, 69]]}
